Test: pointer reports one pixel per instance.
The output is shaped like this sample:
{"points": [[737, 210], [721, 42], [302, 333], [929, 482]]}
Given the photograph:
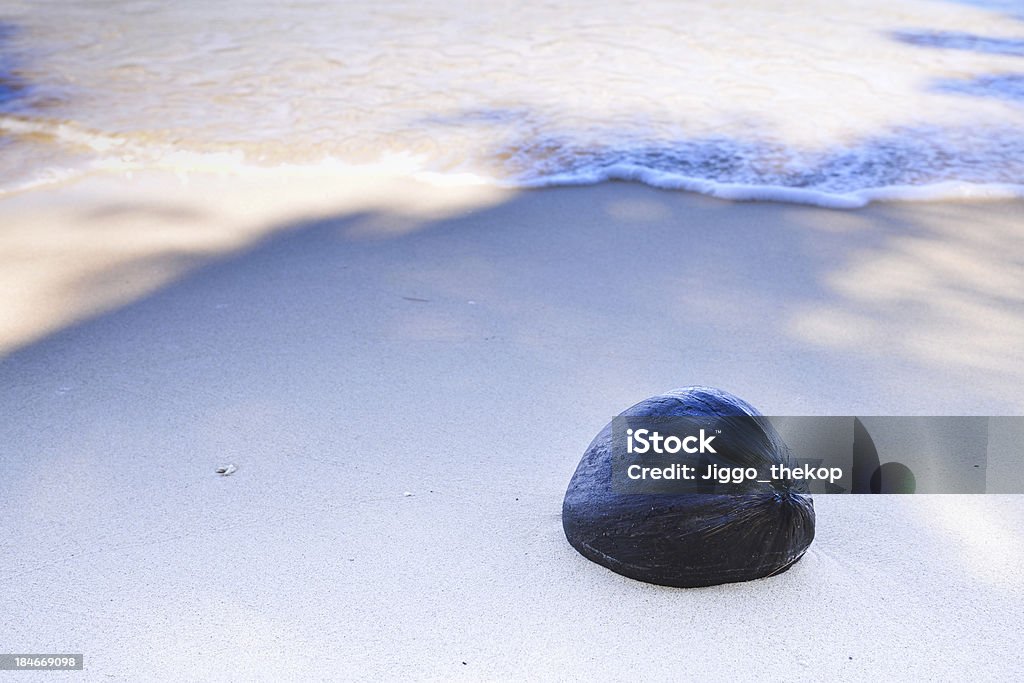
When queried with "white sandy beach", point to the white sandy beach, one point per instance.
{"points": [[405, 377]]}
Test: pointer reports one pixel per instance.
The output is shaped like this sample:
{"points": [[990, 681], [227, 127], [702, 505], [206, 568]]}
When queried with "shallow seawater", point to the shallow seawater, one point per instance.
{"points": [[813, 101]]}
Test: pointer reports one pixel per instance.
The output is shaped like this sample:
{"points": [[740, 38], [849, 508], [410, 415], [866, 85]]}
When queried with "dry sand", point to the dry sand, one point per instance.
{"points": [[347, 344]]}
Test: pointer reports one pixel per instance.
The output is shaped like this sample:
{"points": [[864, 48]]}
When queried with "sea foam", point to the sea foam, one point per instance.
{"points": [[820, 104]]}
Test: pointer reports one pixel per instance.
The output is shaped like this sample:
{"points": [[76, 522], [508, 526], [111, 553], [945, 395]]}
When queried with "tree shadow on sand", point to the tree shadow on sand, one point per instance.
{"points": [[1004, 86], [12, 87]]}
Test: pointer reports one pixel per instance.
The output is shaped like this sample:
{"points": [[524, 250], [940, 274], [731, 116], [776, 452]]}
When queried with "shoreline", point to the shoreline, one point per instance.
{"points": [[187, 166]]}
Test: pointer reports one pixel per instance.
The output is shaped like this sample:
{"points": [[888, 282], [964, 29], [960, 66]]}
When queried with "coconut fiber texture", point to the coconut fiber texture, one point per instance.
{"points": [[690, 539]]}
